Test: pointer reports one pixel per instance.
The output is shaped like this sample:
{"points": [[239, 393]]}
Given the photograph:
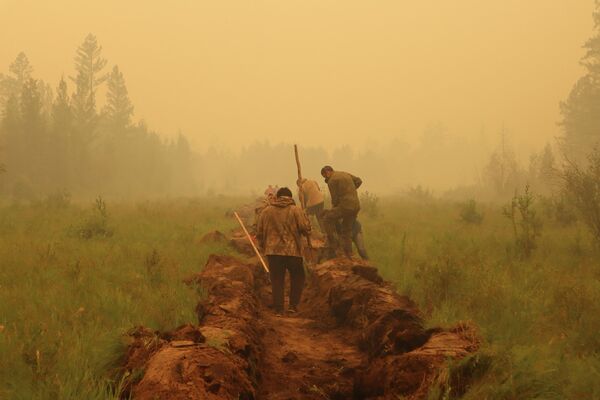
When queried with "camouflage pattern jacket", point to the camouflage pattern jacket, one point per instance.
{"points": [[342, 187], [280, 228]]}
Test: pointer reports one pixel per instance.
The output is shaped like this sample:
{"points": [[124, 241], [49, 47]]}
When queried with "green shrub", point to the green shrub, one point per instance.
{"points": [[564, 214], [469, 213], [96, 224], [527, 226], [419, 194], [582, 186], [369, 204]]}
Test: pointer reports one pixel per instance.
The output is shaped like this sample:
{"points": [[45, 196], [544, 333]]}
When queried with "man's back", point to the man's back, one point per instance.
{"points": [[342, 187], [280, 226], [312, 193]]}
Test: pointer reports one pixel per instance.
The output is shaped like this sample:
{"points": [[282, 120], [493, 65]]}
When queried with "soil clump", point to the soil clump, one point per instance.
{"points": [[353, 338]]}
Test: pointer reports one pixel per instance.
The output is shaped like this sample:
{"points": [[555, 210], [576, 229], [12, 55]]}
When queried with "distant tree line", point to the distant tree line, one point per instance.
{"points": [[58, 140]]}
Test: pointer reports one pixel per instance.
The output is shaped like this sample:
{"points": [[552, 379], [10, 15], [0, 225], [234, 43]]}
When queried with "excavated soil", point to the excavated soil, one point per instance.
{"points": [[354, 338]]}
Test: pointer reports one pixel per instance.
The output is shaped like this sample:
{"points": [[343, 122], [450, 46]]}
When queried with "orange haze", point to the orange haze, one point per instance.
{"points": [[320, 71]]}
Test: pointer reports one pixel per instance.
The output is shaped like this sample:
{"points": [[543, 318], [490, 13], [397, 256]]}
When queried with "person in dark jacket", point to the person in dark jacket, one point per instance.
{"points": [[345, 207]]}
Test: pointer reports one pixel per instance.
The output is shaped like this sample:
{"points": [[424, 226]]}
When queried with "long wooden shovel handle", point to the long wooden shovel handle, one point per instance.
{"points": [[262, 261], [299, 177]]}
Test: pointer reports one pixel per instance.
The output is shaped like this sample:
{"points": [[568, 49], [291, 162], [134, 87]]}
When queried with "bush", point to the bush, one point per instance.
{"points": [[527, 226], [58, 200], [96, 225], [582, 186], [369, 204], [469, 213], [564, 213], [419, 193], [558, 209]]}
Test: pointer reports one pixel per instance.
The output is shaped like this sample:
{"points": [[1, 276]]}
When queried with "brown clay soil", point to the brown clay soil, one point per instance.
{"points": [[354, 338]]}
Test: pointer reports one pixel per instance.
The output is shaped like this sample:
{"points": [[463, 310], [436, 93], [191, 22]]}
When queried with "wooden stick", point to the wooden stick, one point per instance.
{"points": [[302, 201], [262, 261]]}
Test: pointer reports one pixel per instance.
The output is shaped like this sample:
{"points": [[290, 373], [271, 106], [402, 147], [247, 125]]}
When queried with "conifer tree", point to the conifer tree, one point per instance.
{"points": [[119, 108], [89, 64], [581, 111], [12, 84], [61, 109], [31, 108]]}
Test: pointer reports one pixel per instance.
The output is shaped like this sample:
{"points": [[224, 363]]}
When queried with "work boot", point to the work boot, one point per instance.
{"points": [[293, 309]]}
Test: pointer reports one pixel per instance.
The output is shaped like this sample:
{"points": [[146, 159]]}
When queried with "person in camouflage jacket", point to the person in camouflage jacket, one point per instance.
{"points": [[279, 232]]}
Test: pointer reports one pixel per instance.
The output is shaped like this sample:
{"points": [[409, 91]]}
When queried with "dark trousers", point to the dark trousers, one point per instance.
{"points": [[278, 266], [357, 238], [346, 218]]}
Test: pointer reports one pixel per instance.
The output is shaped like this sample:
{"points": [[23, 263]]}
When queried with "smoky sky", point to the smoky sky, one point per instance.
{"points": [[316, 71]]}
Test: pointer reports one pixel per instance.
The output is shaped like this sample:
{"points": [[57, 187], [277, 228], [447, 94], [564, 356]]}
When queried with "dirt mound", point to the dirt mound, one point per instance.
{"points": [[237, 240], [240, 243], [411, 374], [215, 361], [213, 237], [403, 358], [354, 338]]}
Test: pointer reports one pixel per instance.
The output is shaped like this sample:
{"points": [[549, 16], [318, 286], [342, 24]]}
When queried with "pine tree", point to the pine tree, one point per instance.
{"points": [[46, 97], [89, 65], [12, 84], [547, 165], [11, 115], [34, 144], [581, 110], [119, 108], [502, 169], [62, 126], [21, 68], [31, 108], [62, 115]]}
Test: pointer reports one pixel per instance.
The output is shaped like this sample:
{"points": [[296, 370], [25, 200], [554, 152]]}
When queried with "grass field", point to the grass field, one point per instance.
{"points": [[539, 317], [72, 281], [74, 278]]}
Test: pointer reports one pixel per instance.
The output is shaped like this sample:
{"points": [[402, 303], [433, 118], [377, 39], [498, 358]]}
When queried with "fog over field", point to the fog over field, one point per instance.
{"points": [[427, 91]]}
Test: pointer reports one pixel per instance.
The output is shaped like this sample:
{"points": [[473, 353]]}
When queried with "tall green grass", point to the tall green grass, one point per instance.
{"points": [[539, 316], [73, 281], [66, 299]]}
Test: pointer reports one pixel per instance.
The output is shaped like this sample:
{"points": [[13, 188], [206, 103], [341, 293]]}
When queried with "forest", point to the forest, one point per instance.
{"points": [[57, 140]]}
